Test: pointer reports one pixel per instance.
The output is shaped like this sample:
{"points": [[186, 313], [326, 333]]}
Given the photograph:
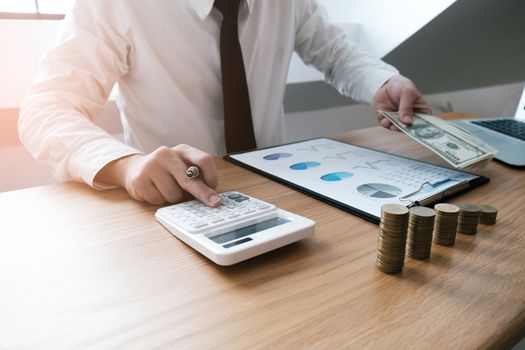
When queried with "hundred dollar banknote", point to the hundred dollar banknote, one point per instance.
{"points": [[457, 146]]}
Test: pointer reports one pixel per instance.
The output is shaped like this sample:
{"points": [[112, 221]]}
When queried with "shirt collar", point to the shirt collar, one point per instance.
{"points": [[203, 7]]}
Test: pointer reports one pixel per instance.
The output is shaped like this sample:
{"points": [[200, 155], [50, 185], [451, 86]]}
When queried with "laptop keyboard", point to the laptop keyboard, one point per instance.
{"points": [[509, 127]]}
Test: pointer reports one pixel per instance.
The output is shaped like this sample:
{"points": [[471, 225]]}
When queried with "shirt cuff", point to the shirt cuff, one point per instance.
{"points": [[375, 84], [103, 186], [96, 155], [372, 83]]}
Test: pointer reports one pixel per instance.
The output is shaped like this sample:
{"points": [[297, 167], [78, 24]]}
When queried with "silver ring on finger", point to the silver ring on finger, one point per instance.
{"points": [[192, 172]]}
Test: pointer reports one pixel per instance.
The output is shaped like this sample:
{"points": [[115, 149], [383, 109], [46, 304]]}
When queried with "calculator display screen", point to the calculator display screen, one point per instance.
{"points": [[248, 230]]}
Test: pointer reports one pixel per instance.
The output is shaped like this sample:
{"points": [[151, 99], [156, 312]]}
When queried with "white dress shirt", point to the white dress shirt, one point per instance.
{"points": [[164, 55]]}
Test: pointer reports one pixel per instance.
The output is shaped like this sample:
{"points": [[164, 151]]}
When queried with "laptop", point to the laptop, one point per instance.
{"points": [[505, 134]]}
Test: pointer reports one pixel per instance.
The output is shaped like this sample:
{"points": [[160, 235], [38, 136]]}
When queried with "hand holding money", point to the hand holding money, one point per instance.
{"points": [[458, 147], [399, 94]]}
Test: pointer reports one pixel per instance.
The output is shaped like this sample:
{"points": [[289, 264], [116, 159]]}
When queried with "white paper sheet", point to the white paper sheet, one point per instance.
{"points": [[357, 177]]}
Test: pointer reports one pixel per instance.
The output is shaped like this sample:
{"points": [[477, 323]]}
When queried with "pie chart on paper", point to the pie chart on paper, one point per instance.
{"points": [[277, 156], [378, 190], [304, 165], [339, 176]]}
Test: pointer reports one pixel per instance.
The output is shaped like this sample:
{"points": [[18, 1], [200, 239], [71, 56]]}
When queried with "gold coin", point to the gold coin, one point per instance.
{"points": [[469, 208], [422, 212], [487, 209], [394, 209], [446, 208]]}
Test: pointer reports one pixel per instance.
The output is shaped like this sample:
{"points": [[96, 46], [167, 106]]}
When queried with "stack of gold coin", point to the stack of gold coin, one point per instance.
{"points": [[392, 238], [420, 227], [487, 215], [468, 219], [445, 224]]}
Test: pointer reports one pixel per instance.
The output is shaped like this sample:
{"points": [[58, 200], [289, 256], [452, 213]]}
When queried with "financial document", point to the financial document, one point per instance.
{"points": [[353, 176]]}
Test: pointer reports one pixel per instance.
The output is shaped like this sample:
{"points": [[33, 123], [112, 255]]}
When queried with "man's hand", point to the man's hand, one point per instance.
{"points": [[160, 177], [399, 94]]}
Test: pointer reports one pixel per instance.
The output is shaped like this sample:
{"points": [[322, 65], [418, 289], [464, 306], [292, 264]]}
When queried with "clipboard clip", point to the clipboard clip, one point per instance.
{"points": [[453, 189]]}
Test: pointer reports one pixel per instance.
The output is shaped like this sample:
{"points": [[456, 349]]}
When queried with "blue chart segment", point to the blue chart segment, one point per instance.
{"points": [[304, 166], [277, 156], [339, 176], [379, 190]]}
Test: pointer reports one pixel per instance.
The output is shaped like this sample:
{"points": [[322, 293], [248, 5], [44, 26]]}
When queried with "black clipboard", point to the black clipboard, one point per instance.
{"points": [[471, 180]]}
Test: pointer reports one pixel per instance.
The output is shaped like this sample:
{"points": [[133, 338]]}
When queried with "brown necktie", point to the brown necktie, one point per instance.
{"points": [[238, 127]]}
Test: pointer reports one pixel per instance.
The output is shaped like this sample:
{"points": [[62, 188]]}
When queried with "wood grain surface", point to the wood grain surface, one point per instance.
{"points": [[87, 269]]}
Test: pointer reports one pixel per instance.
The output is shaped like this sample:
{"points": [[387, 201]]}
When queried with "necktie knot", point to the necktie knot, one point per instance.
{"points": [[228, 8]]}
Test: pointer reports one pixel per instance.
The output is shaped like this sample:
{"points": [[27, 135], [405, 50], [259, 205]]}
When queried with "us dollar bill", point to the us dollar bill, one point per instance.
{"points": [[457, 146]]}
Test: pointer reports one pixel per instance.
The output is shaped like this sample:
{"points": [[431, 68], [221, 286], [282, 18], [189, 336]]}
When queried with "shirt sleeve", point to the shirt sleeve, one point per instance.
{"points": [[352, 71], [74, 82]]}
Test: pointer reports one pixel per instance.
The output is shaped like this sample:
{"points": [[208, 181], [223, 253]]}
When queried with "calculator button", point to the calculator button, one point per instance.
{"points": [[199, 224], [248, 211], [216, 220], [196, 218]]}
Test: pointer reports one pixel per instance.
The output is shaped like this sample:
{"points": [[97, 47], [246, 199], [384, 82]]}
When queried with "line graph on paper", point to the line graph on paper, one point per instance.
{"points": [[375, 165], [352, 156], [319, 148]]}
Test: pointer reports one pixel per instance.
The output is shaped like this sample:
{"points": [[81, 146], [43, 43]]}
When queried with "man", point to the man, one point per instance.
{"points": [[166, 57]]}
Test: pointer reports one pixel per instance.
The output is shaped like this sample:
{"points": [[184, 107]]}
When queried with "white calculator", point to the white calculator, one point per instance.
{"points": [[240, 228]]}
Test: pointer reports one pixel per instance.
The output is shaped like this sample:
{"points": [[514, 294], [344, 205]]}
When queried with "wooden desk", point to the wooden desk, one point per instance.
{"points": [[87, 269]]}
